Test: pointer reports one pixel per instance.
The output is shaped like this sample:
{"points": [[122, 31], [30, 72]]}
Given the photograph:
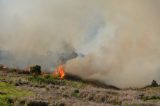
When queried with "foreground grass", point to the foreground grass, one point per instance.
{"points": [[55, 81], [9, 94]]}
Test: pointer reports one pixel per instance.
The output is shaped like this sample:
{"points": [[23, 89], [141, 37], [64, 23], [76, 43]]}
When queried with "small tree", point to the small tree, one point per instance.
{"points": [[36, 70], [154, 84], [1, 67]]}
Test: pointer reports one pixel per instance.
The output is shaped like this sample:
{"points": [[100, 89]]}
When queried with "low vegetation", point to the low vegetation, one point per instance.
{"points": [[46, 80], [9, 94], [20, 88], [36, 70], [51, 80]]}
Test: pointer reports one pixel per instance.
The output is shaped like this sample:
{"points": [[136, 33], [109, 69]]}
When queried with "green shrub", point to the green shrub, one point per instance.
{"points": [[49, 80], [1, 67], [11, 94], [154, 84], [151, 98], [36, 70], [13, 70]]}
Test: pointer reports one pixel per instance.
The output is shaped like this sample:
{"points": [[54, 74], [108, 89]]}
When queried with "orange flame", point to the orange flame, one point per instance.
{"points": [[59, 72]]}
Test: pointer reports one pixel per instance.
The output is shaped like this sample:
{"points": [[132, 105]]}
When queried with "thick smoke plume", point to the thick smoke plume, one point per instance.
{"points": [[117, 40]]}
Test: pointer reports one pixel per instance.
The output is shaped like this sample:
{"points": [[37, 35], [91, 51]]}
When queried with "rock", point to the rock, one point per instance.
{"points": [[62, 88], [90, 98], [102, 99], [10, 100], [65, 95], [60, 104], [141, 95], [17, 84], [23, 72], [50, 86], [37, 103], [22, 102], [41, 86], [2, 93], [76, 91]]}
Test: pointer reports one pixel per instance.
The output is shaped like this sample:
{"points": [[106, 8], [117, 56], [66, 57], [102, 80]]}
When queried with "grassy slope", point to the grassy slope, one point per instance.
{"points": [[51, 80], [9, 93], [129, 97]]}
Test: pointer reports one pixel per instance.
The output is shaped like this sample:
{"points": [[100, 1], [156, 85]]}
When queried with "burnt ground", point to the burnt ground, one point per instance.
{"points": [[70, 92]]}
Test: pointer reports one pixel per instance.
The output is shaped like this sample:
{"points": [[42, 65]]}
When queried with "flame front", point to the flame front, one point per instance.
{"points": [[59, 72]]}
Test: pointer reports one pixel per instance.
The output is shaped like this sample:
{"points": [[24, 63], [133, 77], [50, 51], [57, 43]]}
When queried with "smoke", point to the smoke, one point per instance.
{"points": [[118, 40]]}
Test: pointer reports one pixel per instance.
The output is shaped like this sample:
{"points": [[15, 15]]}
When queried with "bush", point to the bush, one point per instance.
{"points": [[36, 70], [37, 103], [154, 84], [13, 70], [49, 80], [1, 67]]}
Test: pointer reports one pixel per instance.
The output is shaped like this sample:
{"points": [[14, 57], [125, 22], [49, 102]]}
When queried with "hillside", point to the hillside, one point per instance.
{"points": [[23, 89]]}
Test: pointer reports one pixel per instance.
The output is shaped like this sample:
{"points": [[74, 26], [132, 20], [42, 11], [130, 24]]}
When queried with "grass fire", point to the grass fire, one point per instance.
{"points": [[59, 72]]}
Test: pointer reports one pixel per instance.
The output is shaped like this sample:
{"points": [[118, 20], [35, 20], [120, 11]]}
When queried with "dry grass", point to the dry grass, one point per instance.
{"points": [[74, 91]]}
